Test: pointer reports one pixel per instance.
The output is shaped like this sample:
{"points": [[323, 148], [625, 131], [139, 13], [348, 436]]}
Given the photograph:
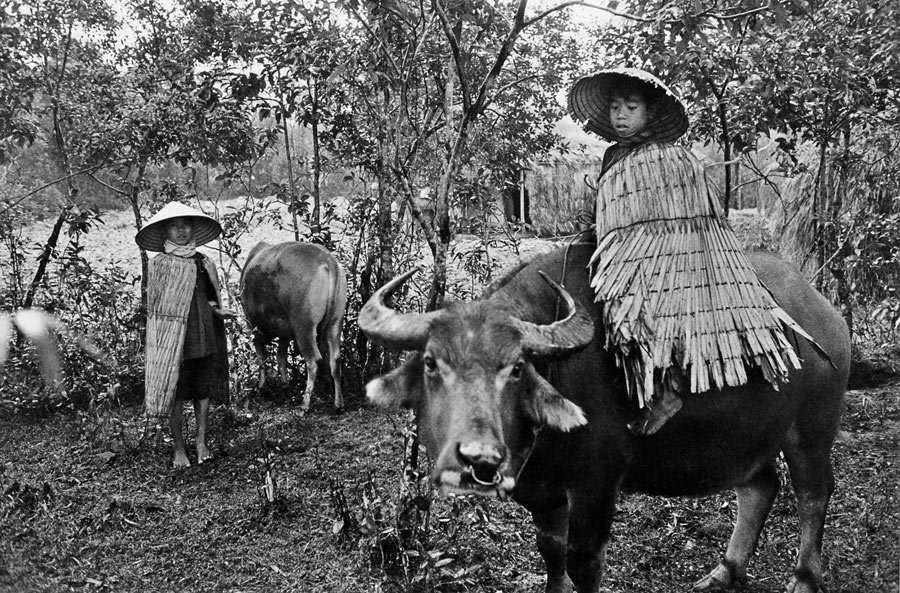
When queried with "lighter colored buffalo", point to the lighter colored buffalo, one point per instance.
{"points": [[298, 291]]}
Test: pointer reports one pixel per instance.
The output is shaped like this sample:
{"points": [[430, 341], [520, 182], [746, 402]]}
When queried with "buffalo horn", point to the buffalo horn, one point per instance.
{"points": [[556, 339], [402, 331]]}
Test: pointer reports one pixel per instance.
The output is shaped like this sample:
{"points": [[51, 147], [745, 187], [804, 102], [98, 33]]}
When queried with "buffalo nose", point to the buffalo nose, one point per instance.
{"points": [[483, 458]]}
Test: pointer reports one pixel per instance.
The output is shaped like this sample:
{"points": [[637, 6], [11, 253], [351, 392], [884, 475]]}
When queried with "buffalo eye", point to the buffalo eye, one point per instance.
{"points": [[430, 363], [516, 371]]}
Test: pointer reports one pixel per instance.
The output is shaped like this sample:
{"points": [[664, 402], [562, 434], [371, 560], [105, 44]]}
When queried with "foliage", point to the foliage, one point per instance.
{"points": [[13, 292], [81, 301], [408, 538], [417, 82], [18, 84]]}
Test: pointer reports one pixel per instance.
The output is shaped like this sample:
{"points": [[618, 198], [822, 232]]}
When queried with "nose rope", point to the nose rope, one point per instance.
{"points": [[553, 366], [536, 431]]}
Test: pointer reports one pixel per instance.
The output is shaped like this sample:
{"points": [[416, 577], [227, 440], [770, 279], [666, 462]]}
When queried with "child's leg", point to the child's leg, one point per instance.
{"points": [[175, 426], [201, 411]]}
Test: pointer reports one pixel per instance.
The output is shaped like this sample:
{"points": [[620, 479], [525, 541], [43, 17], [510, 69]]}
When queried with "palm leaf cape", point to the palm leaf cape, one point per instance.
{"points": [[170, 288], [675, 290]]}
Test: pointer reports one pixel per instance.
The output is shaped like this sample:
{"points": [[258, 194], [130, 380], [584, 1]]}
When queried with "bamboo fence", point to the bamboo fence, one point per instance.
{"points": [[561, 190]]}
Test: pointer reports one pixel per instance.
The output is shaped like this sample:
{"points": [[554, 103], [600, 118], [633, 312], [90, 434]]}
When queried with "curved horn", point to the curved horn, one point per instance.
{"points": [[565, 336], [406, 331]]}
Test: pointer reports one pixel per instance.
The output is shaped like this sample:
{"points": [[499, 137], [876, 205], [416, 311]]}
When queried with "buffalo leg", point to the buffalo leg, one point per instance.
{"points": [[813, 480], [259, 345], [201, 413], [590, 520], [333, 341], [281, 356], [552, 530], [306, 342], [755, 499]]}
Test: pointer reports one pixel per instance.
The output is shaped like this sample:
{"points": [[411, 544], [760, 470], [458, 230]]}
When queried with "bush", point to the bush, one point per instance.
{"points": [[100, 307]]}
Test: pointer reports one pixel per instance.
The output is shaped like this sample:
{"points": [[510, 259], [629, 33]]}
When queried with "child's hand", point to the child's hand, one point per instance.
{"points": [[224, 313]]}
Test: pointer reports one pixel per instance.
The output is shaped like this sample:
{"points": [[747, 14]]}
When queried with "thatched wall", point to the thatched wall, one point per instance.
{"points": [[559, 192]]}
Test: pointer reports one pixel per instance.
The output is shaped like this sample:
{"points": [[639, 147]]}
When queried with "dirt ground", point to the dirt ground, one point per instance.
{"points": [[86, 507], [297, 503]]}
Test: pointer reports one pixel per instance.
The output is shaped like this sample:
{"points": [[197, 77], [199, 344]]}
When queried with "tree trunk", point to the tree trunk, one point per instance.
{"points": [[62, 161], [841, 248], [384, 230], [726, 148], [442, 196], [45, 256], [292, 199], [382, 361], [134, 199], [316, 217], [818, 209]]}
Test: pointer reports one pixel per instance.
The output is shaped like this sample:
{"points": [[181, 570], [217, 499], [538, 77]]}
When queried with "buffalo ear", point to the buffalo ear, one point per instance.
{"points": [[400, 387], [549, 408]]}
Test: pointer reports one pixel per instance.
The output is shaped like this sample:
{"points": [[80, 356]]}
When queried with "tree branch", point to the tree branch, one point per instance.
{"points": [[15, 201], [642, 19], [505, 50], [452, 39], [107, 186], [384, 50]]}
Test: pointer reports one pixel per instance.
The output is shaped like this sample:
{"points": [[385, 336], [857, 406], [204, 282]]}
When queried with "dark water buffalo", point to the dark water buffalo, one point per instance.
{"points": [[494, 424], [296, 291]]}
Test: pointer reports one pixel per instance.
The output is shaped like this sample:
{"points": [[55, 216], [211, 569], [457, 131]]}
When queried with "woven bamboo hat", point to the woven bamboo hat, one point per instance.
{"points": [[152, 236], [589, 101]]}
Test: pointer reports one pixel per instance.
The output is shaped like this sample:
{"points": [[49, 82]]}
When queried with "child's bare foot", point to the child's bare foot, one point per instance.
{"points": [[203, 454], [652, 419], [180, 460]]}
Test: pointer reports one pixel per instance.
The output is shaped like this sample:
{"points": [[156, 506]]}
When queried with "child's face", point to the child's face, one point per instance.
{"points": [[628, 114], [179, 231]]}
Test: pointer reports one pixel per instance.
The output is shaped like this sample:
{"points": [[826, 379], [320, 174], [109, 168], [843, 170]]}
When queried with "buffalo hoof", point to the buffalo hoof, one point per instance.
{"points": [[563, 585], [719, 579], [799, 586]]}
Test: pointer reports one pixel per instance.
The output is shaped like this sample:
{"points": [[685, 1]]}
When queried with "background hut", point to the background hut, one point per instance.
{"points": [[555, 191]]}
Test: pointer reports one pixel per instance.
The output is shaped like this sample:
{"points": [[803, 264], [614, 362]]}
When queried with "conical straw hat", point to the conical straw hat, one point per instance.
{"points": [[589, 101], [152, 236]]}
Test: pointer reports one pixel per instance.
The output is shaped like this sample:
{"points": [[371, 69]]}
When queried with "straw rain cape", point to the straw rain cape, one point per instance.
{"points": [[170, 281], [675, 289]]}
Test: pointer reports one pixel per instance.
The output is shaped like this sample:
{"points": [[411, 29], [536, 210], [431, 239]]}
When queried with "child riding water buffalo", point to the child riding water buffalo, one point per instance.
{"points": [[682, 308]]}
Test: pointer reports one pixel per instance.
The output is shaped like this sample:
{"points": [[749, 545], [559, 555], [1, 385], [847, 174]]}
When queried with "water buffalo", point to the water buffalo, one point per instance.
{"points": [[495, 425], [296, 291]]}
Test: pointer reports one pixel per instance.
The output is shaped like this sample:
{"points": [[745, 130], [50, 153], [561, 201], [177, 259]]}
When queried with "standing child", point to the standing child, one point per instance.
{"points": [[187, 357], [681, 306]]}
